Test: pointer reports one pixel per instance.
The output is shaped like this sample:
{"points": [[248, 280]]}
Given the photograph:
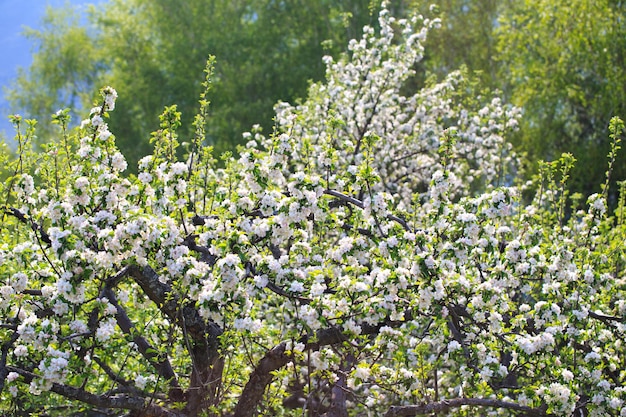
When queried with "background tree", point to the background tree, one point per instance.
{"points": [[564, 64], [64, 69], [267, 51], [466, 38]]}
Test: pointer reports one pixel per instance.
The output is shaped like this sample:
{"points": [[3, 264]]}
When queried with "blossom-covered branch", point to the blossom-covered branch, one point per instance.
{"points": [[445, 405], [120, 401]]}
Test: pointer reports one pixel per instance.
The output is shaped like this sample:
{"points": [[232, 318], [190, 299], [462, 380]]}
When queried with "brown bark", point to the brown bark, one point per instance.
{"points": [[338, 407], [276, 358]]}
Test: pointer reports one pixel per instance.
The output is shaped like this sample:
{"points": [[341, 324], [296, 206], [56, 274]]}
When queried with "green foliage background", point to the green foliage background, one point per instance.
{"points": [[154, 52], [563, 62]]}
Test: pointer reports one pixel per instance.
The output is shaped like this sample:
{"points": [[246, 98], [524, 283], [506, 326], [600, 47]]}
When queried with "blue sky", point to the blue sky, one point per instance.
{"points": [[15, 49]]}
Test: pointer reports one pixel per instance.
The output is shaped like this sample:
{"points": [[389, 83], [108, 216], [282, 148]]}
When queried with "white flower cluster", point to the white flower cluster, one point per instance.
{"points": [[53, 369], [110, 95], [559, 396], [368, 116]]}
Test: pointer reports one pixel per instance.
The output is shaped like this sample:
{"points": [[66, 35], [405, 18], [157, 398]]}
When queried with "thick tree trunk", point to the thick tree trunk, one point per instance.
{"points": [[260, 379]]}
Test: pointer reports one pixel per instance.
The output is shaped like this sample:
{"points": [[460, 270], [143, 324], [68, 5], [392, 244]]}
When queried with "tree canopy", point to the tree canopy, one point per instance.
{"points": [[371, 255]]}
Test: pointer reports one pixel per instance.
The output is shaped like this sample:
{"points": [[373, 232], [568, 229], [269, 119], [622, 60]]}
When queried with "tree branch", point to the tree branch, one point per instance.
{"points": [[33, 225], [172, 306], [277, 357], [251, 271], [205, 253], [204, 338], [161, 364], [120, 401], [111, 374], [111, 282], [3, 358], [445, 405], [260, 378], [339, 391], [606, 318], [358, 203]]}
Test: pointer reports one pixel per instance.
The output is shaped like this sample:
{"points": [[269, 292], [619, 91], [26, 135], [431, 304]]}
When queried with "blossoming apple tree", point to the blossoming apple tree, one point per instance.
{"points": [[371, 256]]}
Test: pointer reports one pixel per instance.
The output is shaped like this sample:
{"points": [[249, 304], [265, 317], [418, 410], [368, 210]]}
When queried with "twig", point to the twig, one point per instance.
{"points": [[358, 203], [606, 318]]}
